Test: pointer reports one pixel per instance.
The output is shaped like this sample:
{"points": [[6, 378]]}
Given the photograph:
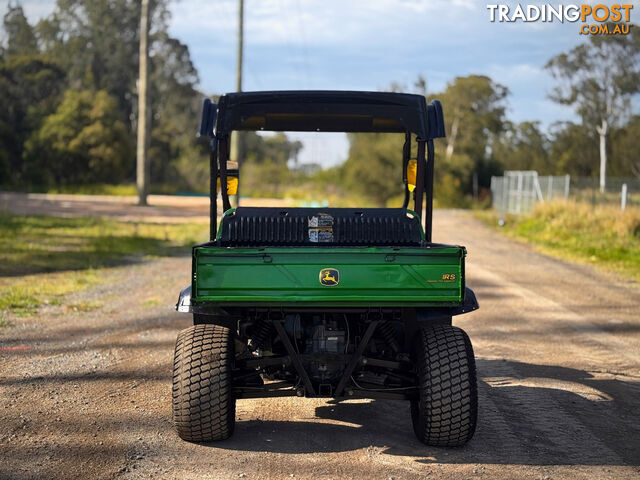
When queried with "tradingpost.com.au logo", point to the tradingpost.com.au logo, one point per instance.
{"points": [[612, 19]]}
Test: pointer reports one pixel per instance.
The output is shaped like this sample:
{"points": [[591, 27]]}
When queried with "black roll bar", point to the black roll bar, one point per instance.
{"points": [[407, 112]]}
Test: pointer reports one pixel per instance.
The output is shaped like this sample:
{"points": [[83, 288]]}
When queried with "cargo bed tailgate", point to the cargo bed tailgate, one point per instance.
{"points": [[429, 276]]}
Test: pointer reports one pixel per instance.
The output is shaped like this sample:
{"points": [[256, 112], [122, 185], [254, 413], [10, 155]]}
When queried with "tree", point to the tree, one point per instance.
{"points": [[474, 112], [599, 78], [625, 153], [474, 109], [84, 141], [522, 146], [31, 86], [276, 149], [574, 149], [97, 44], [265, 170], [20, 38], [373, 168]]}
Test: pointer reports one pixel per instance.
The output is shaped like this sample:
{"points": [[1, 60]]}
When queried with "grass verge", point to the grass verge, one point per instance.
{"points": [[601, 236], [96, 189], [45, 258]]}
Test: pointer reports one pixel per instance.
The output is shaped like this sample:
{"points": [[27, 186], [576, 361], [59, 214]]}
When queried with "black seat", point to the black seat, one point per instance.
{"points": [[266, 226]]}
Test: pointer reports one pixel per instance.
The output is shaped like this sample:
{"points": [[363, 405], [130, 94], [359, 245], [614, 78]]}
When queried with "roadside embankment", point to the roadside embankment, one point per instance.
{"points": [[602, 236]]}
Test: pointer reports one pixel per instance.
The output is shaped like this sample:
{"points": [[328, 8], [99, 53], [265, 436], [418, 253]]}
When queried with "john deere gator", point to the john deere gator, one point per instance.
{"points": [[326, 302]]}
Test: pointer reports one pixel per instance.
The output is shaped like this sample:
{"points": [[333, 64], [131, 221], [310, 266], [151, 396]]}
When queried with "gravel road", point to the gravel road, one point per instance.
{"points": [[160, 208], [87, 394]]}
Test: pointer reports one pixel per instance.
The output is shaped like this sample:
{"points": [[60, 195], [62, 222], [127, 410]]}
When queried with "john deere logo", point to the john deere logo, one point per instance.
{"points": [[329, 277]]}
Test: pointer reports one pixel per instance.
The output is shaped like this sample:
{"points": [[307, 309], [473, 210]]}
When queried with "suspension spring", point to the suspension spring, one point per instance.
{"points": [[262, 331], [389, 334]]}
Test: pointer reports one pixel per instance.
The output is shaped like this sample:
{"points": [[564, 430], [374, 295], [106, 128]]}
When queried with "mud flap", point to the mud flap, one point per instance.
{"points": [[444, 314], [184, 301], [470, 303]]}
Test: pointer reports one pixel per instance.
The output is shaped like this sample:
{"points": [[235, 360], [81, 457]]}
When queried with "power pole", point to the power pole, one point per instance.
{"points": [[240, 44], [236, 140], [142, 149]]}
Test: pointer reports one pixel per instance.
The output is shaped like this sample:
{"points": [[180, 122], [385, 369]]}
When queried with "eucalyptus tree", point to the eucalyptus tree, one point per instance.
{"points": [[599, 78]]}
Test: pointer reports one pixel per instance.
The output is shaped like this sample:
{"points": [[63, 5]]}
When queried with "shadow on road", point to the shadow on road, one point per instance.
{"points": [[518, 424], [529, 414]]}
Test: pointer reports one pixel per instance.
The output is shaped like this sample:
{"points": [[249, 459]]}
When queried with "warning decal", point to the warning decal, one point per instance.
{"points": [[321, 228]]}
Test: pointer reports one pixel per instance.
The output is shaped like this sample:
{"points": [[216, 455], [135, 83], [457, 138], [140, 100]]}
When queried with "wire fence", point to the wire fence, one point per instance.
{"points": [[517, 192], [622, 191]]}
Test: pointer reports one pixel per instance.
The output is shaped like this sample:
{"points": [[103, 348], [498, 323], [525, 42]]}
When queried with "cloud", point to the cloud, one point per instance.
{"points": [[326, 23], [527, 73]]}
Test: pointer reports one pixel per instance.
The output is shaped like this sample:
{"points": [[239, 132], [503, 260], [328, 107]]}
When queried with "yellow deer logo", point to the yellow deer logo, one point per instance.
{"points": [[329, 277]]}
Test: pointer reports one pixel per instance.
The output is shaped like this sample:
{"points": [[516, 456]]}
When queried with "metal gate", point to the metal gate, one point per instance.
{"points": [[518, 191]]}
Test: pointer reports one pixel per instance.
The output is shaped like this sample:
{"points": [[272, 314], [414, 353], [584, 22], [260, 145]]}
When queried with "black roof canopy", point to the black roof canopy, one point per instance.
{"points": [[329, 111]]}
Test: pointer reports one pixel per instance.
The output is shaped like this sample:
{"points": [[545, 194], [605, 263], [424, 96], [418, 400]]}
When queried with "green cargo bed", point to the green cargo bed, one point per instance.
{"points": [[338, 276]]}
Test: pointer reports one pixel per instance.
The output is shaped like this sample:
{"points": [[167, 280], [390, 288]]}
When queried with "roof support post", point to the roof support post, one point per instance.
{"points": [[406, 154], [428, 186], [213, 190], [223, 158], [418, 193]]}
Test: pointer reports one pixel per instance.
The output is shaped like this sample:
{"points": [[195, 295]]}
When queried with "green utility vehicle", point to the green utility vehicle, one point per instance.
{"points": [[326, 302]]}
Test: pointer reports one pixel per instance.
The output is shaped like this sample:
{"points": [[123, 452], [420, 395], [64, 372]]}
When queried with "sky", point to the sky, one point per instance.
{"points": [[367, 45]]}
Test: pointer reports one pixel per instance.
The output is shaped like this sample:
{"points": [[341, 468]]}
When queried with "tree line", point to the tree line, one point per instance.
{"points": [[68, 112], [68, 115], [598, 78]]}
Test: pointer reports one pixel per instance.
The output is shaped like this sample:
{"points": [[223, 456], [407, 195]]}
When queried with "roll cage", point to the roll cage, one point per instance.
{"points": [[326, 111]]}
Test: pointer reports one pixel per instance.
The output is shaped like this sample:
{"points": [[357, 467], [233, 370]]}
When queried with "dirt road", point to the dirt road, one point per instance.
{"points": [[87, 394], [160, 208]]}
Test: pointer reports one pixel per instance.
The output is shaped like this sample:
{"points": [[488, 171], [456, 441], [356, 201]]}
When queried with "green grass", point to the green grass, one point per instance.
{"points": [[152, 302], [86, 306], [602, 236], [127, 189], [117, 190], [35, 244], [95, 189], [45, 258], [23, 295]]}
